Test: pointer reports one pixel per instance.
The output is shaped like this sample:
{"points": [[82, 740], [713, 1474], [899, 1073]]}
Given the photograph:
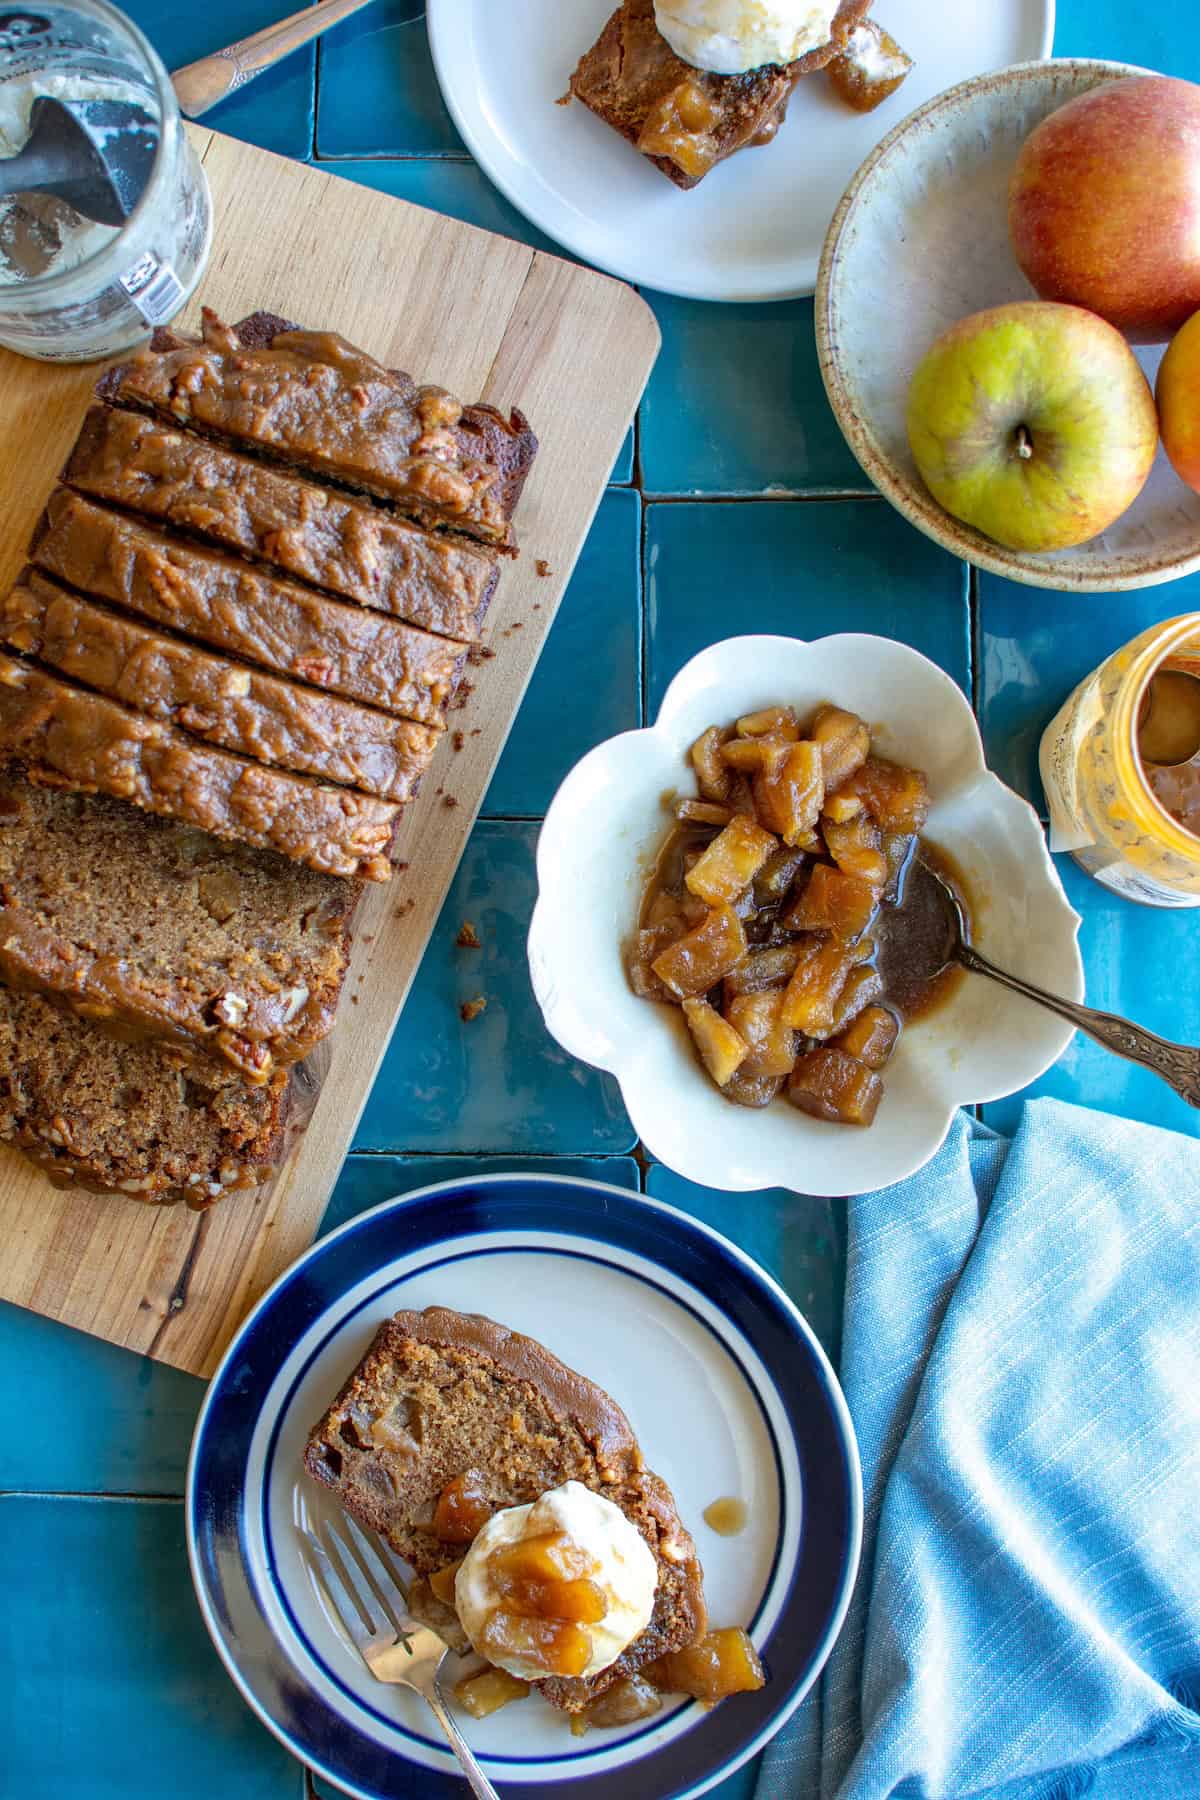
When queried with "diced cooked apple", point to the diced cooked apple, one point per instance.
{"points": [[845, 742], [777, 875], [789, 795], [771, 1045], [741, 796], [731, 861], [864, 984], [769, 968], [722, 1049], [750, 756], [698, 960], [701, 812], [483, 1694], [854, 847], [719, 1664], [752, 1090], [841, 806], [664, 909], [648, 943], [624, 1703], [832, 1085], [836, 902], [712, 777], [897, 848], [896, 798], [772, 721], [871, 1037], [813, 992], [442, 1582]]}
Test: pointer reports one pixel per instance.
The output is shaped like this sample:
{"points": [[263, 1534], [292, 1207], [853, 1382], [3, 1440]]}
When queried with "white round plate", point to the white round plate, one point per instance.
{"points": [[724, 1384], [753, 229]]}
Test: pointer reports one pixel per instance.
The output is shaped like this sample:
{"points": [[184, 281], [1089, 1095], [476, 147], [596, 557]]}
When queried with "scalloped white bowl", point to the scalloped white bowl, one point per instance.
{"points": [[601, 835]]}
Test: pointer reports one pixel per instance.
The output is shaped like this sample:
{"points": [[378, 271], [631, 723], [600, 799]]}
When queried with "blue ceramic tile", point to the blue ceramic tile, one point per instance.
{"points": [[367, 1181], [586, 686], [1035, 647], [276, 111], [1153, 37], [796, 1238], [803, 570], [1139, 961], [736, 403], [461, 191], [111, 1688], [500, 1082], [106, 1420], [378, 95]]}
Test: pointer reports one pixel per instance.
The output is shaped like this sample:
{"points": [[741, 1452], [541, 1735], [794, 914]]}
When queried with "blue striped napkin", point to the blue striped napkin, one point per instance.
{"points": [[1021, 1356]]}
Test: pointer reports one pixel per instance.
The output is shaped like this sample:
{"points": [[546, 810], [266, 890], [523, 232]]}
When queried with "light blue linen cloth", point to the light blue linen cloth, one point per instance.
{"points": [[1021, 1357]]}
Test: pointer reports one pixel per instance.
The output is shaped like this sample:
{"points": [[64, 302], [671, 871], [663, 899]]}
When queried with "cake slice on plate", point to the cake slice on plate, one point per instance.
{"points": [[464, 1443]]}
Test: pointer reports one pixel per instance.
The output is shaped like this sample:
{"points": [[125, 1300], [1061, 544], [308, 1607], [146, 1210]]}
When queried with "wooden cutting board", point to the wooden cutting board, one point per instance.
{"points": [[488, 319]]}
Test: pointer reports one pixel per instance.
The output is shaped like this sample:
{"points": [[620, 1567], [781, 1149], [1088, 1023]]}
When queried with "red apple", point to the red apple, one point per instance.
{"points": [[1178, 395], [1104, 204]]}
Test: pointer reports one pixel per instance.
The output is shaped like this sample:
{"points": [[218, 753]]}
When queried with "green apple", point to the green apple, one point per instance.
{"points": [[1033, 423]]}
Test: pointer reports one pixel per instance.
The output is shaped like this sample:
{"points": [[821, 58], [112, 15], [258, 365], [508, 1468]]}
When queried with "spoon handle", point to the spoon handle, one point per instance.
{"points": [[201, 84], [1177, 1064]]}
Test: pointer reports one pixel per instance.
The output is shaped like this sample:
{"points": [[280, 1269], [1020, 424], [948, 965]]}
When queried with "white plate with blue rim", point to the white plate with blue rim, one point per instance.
{"points": [[727, 1390], [753, 228]]}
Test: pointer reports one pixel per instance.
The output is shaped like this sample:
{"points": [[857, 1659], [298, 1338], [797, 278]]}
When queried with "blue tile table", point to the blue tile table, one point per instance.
{"points": [[735, 491]]}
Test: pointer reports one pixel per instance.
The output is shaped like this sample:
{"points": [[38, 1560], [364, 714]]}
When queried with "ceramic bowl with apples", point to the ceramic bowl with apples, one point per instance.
{"points": [[1008, 321]]}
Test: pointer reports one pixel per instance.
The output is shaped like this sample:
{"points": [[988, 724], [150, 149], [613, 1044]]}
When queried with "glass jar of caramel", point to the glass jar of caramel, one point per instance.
{"points": [[1121, 767]]}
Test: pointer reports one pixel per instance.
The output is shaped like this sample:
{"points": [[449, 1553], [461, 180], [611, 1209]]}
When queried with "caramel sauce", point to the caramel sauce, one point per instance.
{"points": [[462, 1510], [727, 1516], [678, 127]]}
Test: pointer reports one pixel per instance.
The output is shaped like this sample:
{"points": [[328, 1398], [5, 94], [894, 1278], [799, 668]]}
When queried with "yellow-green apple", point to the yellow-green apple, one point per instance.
{"points": [[1104, 204], [1033, 423], [1178, 395]]}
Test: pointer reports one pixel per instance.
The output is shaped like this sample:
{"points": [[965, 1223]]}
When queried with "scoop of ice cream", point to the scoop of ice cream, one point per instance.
{"points": [[728, 37], [538, 1576]]}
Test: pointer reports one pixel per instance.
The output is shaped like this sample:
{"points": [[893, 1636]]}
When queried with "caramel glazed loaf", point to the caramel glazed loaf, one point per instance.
{"points": [[440, 1394], [312, 401]]}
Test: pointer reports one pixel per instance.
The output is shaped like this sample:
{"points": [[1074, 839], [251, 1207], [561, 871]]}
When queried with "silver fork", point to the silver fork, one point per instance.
{"points": [[397, 1648]]}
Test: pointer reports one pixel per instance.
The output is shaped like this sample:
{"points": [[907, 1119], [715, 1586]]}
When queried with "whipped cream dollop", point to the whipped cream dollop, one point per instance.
{"points": [[728, 37], [620, 1564]]}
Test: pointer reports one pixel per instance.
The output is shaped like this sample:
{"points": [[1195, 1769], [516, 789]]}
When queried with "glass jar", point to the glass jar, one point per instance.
{"points": [[85, 290], [1102, 808]]}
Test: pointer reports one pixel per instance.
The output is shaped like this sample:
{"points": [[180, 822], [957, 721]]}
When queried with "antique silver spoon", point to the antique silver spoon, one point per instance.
{"points": [[1176, 1064]]}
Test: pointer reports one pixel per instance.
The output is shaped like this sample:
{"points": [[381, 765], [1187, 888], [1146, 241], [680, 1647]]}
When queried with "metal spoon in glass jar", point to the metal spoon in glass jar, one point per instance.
{"points": [[1177, 1064]]}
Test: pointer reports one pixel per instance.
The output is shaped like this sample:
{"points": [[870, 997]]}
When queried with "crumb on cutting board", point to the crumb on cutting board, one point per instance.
{"points": [[542, 566]]}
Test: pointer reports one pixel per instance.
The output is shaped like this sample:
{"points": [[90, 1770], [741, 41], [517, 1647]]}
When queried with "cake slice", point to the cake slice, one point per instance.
{"points": [[157, 931], [117, 1118], [351, 547], [687, 120], [69, 737], [232, 605], [312, 401], [277, 722], [446, 1403]]}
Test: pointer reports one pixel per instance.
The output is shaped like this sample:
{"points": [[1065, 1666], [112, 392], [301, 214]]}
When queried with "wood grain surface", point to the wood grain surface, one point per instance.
{"points": [[489, 319]]}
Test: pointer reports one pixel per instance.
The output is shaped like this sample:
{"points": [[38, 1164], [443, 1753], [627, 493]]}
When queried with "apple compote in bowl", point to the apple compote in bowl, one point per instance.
{"points": [[920, 241], [602, 842]]}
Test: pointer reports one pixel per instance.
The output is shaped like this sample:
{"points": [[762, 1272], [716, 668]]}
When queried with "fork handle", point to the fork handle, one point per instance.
{"points": [[481, 1787], [1176, 1064]]}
